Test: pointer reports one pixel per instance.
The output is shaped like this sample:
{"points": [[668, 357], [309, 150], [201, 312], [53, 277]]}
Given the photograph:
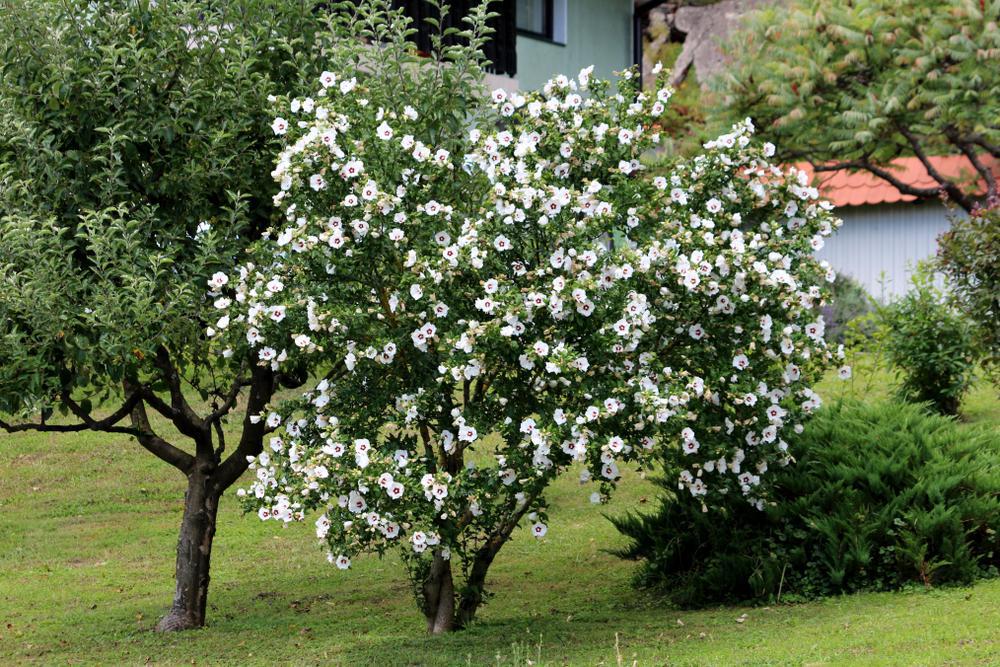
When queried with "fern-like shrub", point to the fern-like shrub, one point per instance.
{"points": [[883, 496]]}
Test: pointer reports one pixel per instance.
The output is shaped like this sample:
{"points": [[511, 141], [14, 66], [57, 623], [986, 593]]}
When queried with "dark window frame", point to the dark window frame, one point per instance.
{"points": [[548, 33]]}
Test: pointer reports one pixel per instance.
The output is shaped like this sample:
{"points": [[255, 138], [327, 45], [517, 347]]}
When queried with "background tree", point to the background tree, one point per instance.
{"points": [[969, 255], [852, 86], [135, 153]]}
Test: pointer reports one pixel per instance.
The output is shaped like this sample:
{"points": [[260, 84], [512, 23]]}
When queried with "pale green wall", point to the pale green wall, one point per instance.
{"points": [[598, 32]]}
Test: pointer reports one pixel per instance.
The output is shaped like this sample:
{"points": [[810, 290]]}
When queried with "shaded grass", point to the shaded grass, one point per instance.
{"points": [[87, 535]]}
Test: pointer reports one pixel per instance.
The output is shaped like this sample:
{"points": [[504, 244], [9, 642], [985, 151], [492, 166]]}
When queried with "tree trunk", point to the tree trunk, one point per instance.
{"points": [[194, 553], [439, 597], [472, 595]]}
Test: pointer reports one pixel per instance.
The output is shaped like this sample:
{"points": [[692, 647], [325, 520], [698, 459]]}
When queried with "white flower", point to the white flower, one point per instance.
{"points": [[740, 362], [383, 131], [539, 529], [218, 280], [844, 372], [348, 85], [327, 79], [280, 126], [342, 562]]}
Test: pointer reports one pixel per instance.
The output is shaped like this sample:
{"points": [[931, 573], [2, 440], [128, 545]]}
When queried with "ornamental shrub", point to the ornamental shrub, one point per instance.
{"points": [[929, 342], [969, 255], [881, 496], [448, 254]]}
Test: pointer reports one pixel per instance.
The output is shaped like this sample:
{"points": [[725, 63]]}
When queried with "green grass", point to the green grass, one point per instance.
{"points": [[87, 530]]}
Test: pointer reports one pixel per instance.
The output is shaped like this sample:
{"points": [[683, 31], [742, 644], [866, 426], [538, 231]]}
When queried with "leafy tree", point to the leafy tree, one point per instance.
{"points": [[854, 85], [969, 254], [446, 255], [135, 152]]}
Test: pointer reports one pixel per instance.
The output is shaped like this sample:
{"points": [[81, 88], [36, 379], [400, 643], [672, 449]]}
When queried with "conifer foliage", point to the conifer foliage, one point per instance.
{"points": [[853, 85], [882, 496]]}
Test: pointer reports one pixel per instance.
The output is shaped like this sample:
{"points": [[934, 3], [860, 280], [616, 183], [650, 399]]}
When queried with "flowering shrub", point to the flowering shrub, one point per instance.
{"points": [[504, 300]]}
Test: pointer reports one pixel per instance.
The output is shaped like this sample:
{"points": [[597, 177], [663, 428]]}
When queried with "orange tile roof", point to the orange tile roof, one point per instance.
{"points": [[860, 188]]}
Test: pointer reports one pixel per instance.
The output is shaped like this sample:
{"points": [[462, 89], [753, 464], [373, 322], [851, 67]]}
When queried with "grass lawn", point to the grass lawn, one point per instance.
{"points": [[87, 535]]}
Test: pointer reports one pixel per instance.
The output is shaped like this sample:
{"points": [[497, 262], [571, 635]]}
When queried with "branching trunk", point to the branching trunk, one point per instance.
{"points": [[439, 597], [194, 553]]}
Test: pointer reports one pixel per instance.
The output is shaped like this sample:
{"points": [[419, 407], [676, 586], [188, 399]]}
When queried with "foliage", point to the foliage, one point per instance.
{"points": [[930, 344], [848, 302], [135, 152], [134, 143], [455, 270], [969, 255], [855, 85], [882, 495]]}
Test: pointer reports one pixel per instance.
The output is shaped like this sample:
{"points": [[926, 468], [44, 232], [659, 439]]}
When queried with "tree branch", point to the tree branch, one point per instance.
{"points": [[106, 425], [980, 140], [967, 150], [953, 191], [153, 443], [183, 416], [230, 400], [252, 438], [864, 164]]}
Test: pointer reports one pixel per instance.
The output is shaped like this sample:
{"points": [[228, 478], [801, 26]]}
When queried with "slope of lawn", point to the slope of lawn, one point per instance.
{"points": [[87, 530]]}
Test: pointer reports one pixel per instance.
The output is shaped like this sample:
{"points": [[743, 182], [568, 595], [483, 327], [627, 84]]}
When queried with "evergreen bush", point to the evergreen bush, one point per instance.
{"points": [[882, 496]]}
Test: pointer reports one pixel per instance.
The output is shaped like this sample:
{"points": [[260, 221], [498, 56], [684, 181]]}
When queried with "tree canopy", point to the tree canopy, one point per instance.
{"points": [[854, 85], [135, 153]]}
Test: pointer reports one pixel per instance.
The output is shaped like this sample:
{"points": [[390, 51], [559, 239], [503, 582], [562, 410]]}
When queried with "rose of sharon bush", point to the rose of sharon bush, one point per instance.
{"points": [[506, 302]]}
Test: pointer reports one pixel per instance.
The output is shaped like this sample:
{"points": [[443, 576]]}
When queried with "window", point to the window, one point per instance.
{"points": [[545, 19]]}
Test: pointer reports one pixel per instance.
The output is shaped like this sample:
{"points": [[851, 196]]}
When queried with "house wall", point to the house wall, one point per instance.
{"points": [[598, 32], [889, 238]]}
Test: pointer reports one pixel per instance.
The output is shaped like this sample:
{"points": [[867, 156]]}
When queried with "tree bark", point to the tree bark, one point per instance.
{"points": [[475, 586], [439, 597], [194, 553]]}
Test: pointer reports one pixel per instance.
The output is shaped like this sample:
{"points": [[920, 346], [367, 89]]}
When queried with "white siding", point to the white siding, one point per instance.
{"points": [[886, 239]]}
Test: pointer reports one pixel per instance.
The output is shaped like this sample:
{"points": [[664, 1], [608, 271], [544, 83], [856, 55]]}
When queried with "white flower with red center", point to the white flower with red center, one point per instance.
{"points": [[351, 169]]}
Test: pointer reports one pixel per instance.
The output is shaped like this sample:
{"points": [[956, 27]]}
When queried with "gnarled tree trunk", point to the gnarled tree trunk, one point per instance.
{"points": [[194, 553], [439, 596]]}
